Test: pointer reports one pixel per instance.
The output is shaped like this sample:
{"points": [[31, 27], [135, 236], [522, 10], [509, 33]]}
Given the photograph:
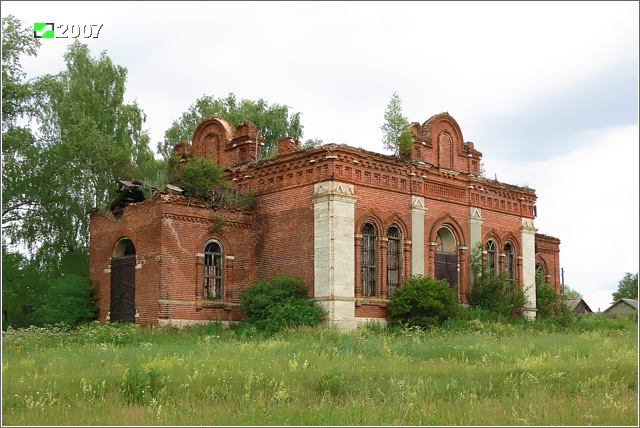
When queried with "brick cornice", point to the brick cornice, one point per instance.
{"points": [[203, 220]]}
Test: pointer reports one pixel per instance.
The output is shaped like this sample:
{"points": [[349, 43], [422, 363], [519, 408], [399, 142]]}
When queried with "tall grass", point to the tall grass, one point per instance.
{"points": [[468, 373]]}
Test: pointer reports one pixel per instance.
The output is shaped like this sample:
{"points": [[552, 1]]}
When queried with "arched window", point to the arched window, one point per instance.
{"points": [[124, 248], [394, 259], [369, 261], [446, 257], [123, 282], [540, 279], [213, 271], [509, 261], [492, 256]]}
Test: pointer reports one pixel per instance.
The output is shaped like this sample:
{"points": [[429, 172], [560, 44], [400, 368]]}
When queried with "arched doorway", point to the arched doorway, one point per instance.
{"points": [[123, 281], [446, 257]]}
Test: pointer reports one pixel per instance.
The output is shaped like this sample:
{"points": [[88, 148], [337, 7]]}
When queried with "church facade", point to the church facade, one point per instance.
{"points": [[353, 224]]}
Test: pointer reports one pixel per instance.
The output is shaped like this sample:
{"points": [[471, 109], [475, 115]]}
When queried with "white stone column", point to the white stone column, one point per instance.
{"points": [[475, 237], [418, 212], [528, 251], [334, 260]]}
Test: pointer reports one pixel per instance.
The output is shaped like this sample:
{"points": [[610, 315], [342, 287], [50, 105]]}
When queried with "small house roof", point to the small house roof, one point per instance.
{"points": [[573, 303], [630, 302]]}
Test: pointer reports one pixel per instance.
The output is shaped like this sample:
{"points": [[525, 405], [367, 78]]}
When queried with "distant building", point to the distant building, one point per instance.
{"points": [[352, 223], [579, 306], [622, 307]]}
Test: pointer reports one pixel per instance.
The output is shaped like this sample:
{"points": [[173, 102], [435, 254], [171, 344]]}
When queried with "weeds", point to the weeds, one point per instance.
{"points": [[471, 371]]}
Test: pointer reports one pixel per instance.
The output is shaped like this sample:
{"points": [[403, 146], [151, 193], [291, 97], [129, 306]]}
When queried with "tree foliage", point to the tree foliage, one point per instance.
{"points": [[423, 302], [16, 93], [274, 121], [627, 287], [84, 136], [22, 155], [65, 138], [396, 135], [36, 294], [570, 294]]}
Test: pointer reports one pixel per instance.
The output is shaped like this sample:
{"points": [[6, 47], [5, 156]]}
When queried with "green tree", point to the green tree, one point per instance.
{"points": [[86, 137], [396, 134], [571, 294], [22, 154], [274, 121], [69, 300], [23, 288], [16, 93], [627, 287], [77, 135]]}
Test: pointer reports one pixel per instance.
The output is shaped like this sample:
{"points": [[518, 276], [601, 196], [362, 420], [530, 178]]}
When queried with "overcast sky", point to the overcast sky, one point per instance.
{"points": [[547, 91]]}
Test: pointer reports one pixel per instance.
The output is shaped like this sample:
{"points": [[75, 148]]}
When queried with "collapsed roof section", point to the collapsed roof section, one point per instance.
{"points": [[133, 192]]}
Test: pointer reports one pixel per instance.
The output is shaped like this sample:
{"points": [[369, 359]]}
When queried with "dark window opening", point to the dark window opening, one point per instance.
{"points": [[446, 258], [509, 262], [369, 260], [213, 271], [394, 260], [540, 278], [492, 255]]}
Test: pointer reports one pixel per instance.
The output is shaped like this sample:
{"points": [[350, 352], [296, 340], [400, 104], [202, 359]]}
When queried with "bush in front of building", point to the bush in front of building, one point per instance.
{"points": [[271, 305], [551, 305], [423, 302], [502, 297]]}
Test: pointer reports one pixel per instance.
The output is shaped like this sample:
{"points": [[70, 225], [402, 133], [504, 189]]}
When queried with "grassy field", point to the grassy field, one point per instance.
{"points": [[469, 373]]}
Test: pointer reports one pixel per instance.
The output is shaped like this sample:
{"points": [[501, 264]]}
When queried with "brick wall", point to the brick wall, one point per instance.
{"points": [[548, 255], [170, 232]]}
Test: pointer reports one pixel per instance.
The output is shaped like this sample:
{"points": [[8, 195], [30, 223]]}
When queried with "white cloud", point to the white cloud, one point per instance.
{"points": [[589, 200]]}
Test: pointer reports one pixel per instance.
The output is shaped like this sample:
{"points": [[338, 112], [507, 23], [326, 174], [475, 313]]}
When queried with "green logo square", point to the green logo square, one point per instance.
{"points": [[43, 30]]}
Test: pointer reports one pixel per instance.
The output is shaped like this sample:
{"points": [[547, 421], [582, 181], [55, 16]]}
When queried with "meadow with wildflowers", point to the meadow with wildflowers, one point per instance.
{"points": [[465, 373]]}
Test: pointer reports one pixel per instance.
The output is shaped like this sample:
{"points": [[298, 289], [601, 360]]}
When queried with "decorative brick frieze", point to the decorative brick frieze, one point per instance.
{"points": [[310, 207]]}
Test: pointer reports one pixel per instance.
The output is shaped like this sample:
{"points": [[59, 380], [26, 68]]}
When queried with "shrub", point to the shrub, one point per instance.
{"points": [[198, 177], [274, 304], [423, 302], [502, 297], [549, 303], [140, 386], [69, 300]]}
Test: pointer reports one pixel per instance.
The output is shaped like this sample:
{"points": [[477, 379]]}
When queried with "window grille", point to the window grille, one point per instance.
{"points": [[394, 260], [509, 262], [369, 260], [492, 255], [213, 271]]}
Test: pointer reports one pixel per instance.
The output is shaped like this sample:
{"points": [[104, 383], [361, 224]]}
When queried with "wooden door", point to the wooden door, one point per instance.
{"points": [[123, 289]]}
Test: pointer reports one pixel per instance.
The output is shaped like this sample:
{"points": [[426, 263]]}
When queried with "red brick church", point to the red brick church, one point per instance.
{"points": [[352, 223]]}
